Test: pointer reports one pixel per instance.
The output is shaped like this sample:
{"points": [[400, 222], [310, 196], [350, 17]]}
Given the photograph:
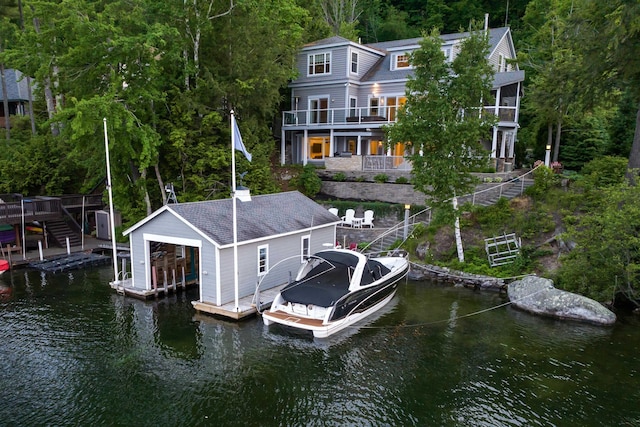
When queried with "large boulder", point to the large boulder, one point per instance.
{"points": [[538, 295]]}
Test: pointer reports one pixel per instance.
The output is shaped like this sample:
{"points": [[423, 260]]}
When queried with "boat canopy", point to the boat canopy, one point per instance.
{"points": [[330, 279]]}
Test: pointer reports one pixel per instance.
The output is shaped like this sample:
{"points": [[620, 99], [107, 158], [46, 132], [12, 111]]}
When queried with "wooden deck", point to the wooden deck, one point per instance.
{"points": [[246, 305], [296, 319]]}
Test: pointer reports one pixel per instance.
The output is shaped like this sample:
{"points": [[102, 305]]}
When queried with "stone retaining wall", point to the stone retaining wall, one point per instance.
{"points": [[443, 274]]}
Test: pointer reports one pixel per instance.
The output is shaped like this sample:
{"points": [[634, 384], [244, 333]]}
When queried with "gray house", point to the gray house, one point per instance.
{"points": [[17, 95], [346, 92], [194, 243]]}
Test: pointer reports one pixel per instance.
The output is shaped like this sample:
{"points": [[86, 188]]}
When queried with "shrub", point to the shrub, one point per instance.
{"points": [[605, 171], [401, 180], [340, 177], [381, 178], [308, 182]]}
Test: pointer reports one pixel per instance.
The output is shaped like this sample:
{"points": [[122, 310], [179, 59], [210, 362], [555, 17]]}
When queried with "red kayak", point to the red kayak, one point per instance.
{"points": [[4, 266]]}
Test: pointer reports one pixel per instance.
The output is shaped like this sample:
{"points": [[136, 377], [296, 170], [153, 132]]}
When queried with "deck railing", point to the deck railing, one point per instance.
{"points": [[363, 116], [396, 234], [35, 209]]}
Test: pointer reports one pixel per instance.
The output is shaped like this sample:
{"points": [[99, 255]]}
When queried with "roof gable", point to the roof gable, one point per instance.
{"points": [[265, 215]]}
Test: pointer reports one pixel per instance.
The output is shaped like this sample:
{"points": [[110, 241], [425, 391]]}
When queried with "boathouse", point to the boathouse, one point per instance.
{"points": [[194, 243]]}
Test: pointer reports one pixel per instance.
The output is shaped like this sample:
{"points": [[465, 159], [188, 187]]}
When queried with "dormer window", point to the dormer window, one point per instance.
{"points": [[319, 63], [400, 61]]}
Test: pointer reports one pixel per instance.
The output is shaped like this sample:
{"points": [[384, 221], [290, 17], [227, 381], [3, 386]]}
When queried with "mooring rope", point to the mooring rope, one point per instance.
{"points": [[475, 313]]}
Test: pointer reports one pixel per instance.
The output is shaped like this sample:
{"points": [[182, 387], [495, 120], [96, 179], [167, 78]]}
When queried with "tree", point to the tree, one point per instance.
{"points": [[606, 260], [609, 35], [443, 121], [550, 59]]}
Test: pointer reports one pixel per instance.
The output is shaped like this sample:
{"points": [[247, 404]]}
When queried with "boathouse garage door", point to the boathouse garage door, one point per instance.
{"points": [[171, 259]]}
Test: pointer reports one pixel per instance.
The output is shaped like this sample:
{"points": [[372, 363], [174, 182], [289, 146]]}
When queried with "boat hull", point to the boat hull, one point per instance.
{"points": [[353, 308]]}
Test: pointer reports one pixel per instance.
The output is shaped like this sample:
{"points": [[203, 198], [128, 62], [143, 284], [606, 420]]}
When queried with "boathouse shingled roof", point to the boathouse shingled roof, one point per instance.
{"points": [[265, 215]]}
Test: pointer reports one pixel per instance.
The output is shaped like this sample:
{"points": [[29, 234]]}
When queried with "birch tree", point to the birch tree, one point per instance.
{"points": [[442, 121]]}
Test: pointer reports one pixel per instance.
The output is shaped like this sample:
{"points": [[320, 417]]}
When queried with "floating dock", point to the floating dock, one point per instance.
{"points": [[63, 263]]}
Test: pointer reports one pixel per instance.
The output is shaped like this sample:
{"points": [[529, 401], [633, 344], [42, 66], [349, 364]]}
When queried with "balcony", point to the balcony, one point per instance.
{"points": [[339, 116], [369, 117]]}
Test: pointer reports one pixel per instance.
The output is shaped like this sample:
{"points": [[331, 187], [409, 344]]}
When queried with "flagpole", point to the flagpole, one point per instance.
{"points": [[111, 216], [235, 219]]}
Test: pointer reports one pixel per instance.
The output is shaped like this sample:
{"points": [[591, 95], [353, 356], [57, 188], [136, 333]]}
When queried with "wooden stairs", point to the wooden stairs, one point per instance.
{"points": [[59, 230]]}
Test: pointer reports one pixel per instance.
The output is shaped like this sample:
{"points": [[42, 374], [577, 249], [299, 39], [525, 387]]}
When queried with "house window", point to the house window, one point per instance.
{"points": [[502, 64], [374, 104], [320, 63], [447, 53], [263, 260], [354, 62], [401, 61], [319, 147], [319, 110], [305, 249], [353, 104]]}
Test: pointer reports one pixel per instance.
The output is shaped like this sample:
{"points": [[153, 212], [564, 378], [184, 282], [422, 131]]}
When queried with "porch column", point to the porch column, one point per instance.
{"points": [[331, 143], [503, 144], [494, 142], [282, 146], [512, 143], [305, 144], [517, 115], [358, 146]]}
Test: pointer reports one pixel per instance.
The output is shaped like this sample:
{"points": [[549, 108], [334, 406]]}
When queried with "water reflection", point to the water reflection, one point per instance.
{"points": [[77, 354]]}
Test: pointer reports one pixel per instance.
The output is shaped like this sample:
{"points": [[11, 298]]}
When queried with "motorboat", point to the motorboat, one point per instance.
{"points": [[336, 288]]}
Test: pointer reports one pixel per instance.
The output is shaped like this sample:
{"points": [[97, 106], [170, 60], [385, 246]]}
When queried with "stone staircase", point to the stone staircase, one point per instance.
{"points": [[486, 195]]}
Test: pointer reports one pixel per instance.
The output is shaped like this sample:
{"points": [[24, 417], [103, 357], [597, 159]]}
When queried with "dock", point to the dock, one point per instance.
{"points": [[247, 307]]}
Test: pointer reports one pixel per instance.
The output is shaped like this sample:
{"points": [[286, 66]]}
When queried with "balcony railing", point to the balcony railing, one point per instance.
{"points": [[364, 116]]}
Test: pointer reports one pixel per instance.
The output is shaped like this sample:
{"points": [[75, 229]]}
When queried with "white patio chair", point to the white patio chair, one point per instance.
{"points": [[334, 211], [347, 219], [367, 220]]}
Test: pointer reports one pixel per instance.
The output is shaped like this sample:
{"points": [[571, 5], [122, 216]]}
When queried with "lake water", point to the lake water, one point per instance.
{"points": [[75, 353]]}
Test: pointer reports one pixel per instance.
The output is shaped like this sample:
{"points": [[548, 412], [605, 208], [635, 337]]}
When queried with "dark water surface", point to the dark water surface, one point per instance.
{"points": [[75, 353]]}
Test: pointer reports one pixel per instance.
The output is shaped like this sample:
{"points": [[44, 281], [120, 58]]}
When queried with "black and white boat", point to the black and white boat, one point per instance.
{"points": [[336, 288]]}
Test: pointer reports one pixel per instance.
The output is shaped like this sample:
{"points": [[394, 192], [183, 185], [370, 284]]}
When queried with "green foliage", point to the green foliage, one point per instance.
{"points": [[605, 171], [544, 179], [308, 182], [439, 121], [402, 180], [381, 178], [606, 259], [339, 177]]}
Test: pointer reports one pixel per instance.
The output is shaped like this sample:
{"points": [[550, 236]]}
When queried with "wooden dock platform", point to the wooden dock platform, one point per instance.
{"points": [[247, 307]]}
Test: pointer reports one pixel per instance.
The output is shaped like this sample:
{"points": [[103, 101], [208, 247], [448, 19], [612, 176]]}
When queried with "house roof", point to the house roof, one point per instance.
{"points": [[265, 215], [382, 71], [17, 89]]}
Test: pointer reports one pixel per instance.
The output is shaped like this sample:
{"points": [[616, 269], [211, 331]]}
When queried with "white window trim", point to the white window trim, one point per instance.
{"points": [[304, 256], [353, 108], [447, 53], [502, 63], [266, 261], [353, 52], [327, 56], [394, 61]]}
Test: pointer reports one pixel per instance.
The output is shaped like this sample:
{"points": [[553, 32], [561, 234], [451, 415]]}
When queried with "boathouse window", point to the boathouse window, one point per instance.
{"points": [[305, 248], [319, 63], [263, 260]]}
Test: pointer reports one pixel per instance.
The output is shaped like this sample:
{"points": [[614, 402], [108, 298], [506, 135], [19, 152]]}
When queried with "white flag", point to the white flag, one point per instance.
{"points": [[237, 140]]}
